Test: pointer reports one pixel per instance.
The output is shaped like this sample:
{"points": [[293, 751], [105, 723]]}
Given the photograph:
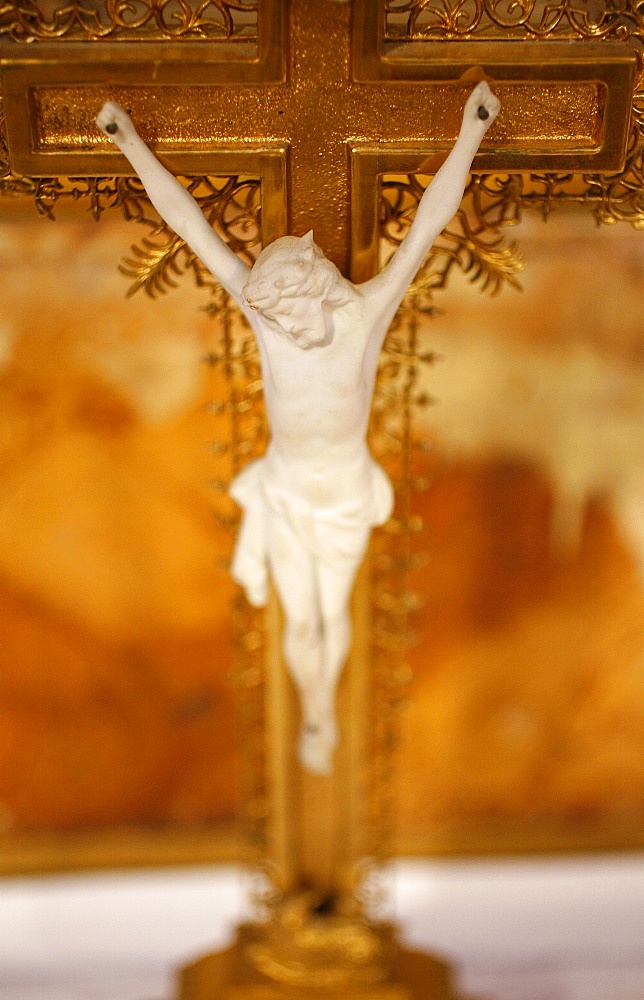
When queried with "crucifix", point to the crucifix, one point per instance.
{"points": [[319, 109], [311, 501]]}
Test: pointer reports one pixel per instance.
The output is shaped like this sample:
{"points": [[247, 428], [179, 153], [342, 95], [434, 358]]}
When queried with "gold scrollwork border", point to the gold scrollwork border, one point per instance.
{"points": [[420, 20], [122, 20]]}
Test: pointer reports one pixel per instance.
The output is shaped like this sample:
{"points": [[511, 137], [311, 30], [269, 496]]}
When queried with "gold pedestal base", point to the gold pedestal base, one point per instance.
{"points": [[230, 975]]}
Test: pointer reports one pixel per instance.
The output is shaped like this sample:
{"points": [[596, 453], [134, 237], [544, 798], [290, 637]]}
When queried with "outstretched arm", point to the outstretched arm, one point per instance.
{"points": [[173, 203], [437, 207]]}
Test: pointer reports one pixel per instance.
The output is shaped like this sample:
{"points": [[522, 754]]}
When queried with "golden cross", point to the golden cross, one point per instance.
{"points": [[322, 106]]}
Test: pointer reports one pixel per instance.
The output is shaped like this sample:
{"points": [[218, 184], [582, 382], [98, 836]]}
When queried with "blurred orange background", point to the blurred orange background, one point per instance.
{"points": [[524, 716]]}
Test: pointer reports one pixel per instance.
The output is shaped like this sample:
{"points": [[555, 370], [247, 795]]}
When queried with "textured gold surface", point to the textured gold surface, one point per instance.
{"points": [[207, 116]]}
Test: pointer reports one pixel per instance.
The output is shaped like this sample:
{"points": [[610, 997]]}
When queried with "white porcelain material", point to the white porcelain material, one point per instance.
{"points": [[310, 503]]}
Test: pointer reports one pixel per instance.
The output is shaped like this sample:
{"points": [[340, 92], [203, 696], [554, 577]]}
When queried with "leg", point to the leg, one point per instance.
{"points": [[335, 583], [293, 573]]}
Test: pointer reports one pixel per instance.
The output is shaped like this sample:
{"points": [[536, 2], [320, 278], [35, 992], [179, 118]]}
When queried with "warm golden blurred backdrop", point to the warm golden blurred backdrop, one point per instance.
{"points": [[524, 717], [114, 690], [525, 722]]}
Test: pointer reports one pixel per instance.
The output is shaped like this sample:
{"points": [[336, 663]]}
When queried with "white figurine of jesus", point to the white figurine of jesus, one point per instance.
{"points": [[310, 503]]}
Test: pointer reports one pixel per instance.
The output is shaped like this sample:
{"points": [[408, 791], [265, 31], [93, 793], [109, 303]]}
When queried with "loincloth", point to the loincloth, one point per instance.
{"points": [[333, 536]]}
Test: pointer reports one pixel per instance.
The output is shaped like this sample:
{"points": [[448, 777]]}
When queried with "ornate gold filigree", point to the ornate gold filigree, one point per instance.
{"points": [[394, 557], [141, 20], [414, 20], [239, 434], [473, 242], [612, 197], [231, 206]]}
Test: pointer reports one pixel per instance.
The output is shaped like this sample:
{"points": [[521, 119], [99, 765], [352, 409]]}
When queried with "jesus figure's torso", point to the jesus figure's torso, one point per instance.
{"points": [[318, 401]]}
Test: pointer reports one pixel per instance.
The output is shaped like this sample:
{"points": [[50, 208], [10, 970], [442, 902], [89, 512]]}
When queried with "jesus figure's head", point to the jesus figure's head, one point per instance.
{"points": [[295, 286]]}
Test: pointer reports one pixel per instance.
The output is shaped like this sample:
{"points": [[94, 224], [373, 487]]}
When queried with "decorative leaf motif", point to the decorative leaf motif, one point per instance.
{"points": [[494, 265], [491, 266], [475, 244], [154, 266]]}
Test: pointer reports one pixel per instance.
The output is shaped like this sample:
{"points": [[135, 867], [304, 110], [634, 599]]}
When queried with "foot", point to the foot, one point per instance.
{"points": [[317, 744], [257, 593]]}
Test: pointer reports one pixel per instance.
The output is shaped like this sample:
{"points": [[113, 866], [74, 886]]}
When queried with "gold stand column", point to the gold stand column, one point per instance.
{"points": [[316, 941]]}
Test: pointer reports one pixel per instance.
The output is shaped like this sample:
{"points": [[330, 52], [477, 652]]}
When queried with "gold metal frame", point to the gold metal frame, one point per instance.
{"points": [[600, 75], [50, 100]]}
